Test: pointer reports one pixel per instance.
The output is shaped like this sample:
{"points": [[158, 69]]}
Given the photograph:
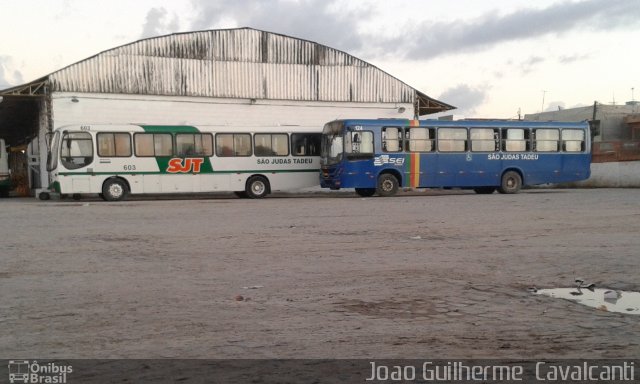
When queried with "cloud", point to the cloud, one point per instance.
{"points": [[569, 59], [317, 20], [491, 29], [9, 76], [555, 106], [467, 98], [157, 23], [333, 24]]}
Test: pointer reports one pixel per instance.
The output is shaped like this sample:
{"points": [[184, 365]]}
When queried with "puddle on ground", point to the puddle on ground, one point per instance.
{"points": [[600, 298]]}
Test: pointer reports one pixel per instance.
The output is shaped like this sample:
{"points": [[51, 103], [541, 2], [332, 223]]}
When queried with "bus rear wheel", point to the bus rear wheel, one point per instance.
{"points": [[511, 182], [257, 187], [365, 192], [387, 185], [114, 190]]}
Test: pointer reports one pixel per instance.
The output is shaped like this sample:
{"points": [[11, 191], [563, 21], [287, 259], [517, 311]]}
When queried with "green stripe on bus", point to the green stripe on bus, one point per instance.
{"points": [[262, 171], [170, 129]]}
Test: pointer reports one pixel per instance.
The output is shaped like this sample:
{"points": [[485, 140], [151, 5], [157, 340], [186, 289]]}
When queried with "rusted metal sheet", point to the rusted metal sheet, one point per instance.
{"points": [[614, 151], [236, 63]]}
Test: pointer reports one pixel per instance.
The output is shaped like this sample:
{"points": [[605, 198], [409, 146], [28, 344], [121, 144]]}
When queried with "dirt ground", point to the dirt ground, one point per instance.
{"points": [[439, 274]]}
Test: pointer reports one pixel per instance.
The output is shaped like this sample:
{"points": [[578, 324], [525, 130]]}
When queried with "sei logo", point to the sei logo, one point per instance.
{"points": [[177, 165], [386, 159]]}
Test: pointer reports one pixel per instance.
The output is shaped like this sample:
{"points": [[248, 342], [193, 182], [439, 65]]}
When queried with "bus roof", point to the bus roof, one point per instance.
{"points": [[465, 123]]}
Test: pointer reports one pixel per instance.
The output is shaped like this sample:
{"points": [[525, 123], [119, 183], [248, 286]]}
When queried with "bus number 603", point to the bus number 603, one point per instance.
{"points": [[129, 167]]}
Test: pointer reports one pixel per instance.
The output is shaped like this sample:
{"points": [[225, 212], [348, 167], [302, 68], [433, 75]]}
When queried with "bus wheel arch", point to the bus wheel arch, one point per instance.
{"points": [[115, 189], [257, 187], [388, 183], [511, 181]]}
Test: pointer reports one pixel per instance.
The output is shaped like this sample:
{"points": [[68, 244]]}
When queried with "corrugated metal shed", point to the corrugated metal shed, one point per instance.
{"points": [[238, 63]]}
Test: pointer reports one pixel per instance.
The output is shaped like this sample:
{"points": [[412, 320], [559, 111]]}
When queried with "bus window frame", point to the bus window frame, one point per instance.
{"points": [[273, 153], [384, 139], [408, 139], [307, 145], [358, 155], [131, 149], [465, 141], [176, 150], [233, 149], [153, 136]]}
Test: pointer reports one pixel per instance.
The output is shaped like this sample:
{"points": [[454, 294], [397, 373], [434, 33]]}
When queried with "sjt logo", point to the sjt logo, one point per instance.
{"points": [[178, 165]]}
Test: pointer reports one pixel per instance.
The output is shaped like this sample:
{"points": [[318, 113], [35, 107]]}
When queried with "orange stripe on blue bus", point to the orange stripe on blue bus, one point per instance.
{"points": [[415, 170]]}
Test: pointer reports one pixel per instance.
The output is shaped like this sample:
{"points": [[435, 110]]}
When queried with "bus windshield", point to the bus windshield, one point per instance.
{"points": [[52, 154], [332, 144], [77, 150]]}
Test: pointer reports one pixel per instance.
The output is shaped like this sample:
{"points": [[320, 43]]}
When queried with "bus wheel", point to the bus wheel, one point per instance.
{"points": [[44, 196], [511, 182], [484, 190], [366, 192], [257, 187], [114, 190], [387, 185]]}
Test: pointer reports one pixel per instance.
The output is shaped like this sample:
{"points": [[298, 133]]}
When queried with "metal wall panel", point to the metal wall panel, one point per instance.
{"points": [[236, 63]]}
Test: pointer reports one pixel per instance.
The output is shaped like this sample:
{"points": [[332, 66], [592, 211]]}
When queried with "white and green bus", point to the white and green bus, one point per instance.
{"points": [[114, 161]]}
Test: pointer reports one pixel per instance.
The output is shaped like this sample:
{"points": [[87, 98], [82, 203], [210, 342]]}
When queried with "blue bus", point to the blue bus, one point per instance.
{"points": [[381, 156]]}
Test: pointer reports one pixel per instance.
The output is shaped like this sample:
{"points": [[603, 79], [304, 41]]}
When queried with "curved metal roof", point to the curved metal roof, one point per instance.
{"points": [[237, 63]]}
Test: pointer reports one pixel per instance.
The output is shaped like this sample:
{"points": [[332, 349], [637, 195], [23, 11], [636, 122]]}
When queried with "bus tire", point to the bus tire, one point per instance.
{"points": [[387, 185], [257, 187], [365, 192], [114, 190], [44, 196], [484, 190], [511, 182]]}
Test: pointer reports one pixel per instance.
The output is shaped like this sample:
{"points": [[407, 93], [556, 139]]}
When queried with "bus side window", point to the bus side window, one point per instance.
{"points": [[546, 140], [271, 144], [515, 140], [452, 139], [391, 139], [573, 140], [114, 144], [420, 139], [194, 144], [484, 139], [305, 144]]}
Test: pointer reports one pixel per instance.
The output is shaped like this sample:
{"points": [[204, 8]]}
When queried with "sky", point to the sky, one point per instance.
{"points": [[498, 58]]}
